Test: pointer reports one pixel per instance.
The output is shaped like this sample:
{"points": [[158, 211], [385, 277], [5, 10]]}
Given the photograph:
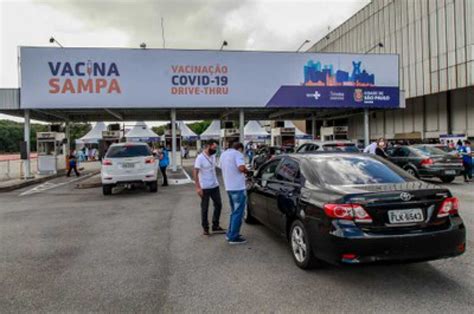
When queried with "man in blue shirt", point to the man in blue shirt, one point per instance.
{"points": [[164, 162], [466, 154]]}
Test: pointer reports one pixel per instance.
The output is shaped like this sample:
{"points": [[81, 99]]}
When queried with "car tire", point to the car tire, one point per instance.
{"points": [[412, 171], [301, 247], [153, 186], [107, 189], [448, 179], [249, 219]]}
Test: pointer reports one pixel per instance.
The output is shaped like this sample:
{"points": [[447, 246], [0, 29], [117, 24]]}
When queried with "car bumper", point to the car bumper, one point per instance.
{"points": [[124, 179], [349, 245], [439, 172]]}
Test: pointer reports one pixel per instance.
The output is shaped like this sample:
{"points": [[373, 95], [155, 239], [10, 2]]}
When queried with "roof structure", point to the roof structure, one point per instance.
{"points": [[298, 133], [186, 132], [141, 133], [254, 131], [94, 135], [213, 131]]}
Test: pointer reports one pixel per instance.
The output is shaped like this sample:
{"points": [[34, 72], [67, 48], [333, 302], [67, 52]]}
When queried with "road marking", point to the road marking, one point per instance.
{"points": [[48, 185]]}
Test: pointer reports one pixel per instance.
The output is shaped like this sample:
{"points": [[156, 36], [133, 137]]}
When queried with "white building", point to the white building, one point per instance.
{"points": [[435, 41]]}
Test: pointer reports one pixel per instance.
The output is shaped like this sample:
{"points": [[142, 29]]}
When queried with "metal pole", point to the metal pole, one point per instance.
{"points": [[174, 166], [26, 162], [313, 126], [241, 125], [366, 127], [68, 138]]}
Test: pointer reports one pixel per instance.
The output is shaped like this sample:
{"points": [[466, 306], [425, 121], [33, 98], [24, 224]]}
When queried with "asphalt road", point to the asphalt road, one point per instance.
{"points": [[65, 249]]}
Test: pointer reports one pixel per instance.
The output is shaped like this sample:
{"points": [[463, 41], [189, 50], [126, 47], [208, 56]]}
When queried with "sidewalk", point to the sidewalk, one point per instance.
{"points": [[14, 184]]}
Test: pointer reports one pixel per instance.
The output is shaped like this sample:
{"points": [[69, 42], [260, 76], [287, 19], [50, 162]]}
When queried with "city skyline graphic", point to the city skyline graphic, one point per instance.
{"points": [[316, 74]]}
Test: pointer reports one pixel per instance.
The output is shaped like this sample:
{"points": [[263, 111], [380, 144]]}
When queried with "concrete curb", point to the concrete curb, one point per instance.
{"points": [[25, 183]]}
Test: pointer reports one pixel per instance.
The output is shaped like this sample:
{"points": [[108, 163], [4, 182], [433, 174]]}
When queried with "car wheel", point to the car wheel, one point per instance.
{"points": [[447, 179], [411, 171], [153, 186], [249, 219], [301, 247], [106, 189]]}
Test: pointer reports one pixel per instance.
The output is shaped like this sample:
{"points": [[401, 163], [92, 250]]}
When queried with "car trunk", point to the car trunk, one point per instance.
{"points": [[128, 164], [447, 161], [380, 201]]}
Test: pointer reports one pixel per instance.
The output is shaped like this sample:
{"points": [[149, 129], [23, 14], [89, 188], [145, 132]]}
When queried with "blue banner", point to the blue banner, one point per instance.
{"points": [[335, 97]]}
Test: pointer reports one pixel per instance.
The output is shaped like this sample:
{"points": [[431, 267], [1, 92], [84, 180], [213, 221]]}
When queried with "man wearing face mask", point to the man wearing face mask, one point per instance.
{"points": [[207, 186]]}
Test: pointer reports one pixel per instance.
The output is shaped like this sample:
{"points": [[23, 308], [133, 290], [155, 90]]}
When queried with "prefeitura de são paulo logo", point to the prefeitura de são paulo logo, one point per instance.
{"points": [[84, 77], [358, 95]]}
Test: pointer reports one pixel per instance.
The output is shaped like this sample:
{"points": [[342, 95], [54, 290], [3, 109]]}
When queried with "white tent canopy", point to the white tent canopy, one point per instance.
{"points": [[213, 131], [254, 131], [298, 133], [94, 135], [186, 132], [141, 133]]}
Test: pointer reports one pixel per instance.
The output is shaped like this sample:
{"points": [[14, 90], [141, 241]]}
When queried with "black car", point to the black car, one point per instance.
{"points": [[354, 208], [268, 152], [426, 161]]}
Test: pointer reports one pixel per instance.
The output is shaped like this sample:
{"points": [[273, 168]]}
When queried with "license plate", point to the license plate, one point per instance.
{"points": [[405, 216], [450, 172], [128, 165]]}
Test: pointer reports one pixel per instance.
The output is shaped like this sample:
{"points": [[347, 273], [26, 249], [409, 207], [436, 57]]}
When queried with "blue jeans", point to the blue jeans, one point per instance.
{"points": [[238, 201]]}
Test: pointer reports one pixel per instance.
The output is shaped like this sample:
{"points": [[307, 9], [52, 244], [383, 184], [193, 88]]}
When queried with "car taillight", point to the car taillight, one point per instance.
{"points": [[353, 212], [449, 206], [427, 162], [107, 162], [150, 160]]}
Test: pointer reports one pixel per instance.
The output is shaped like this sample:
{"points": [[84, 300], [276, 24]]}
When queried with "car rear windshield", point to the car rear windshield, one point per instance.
{"points": [[128, 151], [351, 148], [355, 170], [429, 150]]}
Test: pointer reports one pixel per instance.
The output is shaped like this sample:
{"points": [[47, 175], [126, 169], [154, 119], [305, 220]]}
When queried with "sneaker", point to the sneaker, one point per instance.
{"points": [[239, 240], [218, 230], [227, 237], [206, 232]]}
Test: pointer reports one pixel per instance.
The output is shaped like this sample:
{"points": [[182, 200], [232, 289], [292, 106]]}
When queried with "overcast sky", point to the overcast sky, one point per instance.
{"points": [[245, 24]]}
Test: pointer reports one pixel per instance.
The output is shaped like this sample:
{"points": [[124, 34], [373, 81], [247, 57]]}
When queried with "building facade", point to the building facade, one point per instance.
{"points": [[435, 43]]}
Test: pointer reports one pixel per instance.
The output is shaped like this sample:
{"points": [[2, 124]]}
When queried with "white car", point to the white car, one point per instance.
{"points": [[328, 146], [129, 163]]}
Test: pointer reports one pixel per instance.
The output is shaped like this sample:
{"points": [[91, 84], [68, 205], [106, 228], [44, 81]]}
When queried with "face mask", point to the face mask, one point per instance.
{"points": [[212, 151]]}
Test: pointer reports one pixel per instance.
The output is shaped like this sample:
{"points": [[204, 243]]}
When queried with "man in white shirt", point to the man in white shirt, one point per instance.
{"points": [[232, 164], [207, 186], [370, 149]]}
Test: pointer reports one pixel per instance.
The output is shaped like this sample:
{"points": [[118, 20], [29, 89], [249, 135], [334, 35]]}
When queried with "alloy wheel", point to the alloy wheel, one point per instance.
{"points": [[298, 244]]}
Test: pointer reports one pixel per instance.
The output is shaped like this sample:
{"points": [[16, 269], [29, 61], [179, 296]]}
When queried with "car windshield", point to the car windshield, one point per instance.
{"points": [[355, 170], [351, 148], [127, 151], [429, 150]]}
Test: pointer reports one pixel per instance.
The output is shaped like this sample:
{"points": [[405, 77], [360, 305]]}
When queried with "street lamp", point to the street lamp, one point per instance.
{"points": [[224, 43], [380, 45], [304, 43], [53, 40], [143, 45]]}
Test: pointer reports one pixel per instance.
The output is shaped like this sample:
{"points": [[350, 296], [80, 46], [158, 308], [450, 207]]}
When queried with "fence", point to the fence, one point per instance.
{"points": [[13, 168]]}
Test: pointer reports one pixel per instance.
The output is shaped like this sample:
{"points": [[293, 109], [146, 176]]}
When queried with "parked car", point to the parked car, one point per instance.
{"points": [[426, 161], [328, 146], [267, 152], [354, 208], [129, 163]]}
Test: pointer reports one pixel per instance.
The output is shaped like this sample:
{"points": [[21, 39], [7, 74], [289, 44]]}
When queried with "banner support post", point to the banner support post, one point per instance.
{"points": [[241, 125], [26, 162], [366, 127], [174, 166]]}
